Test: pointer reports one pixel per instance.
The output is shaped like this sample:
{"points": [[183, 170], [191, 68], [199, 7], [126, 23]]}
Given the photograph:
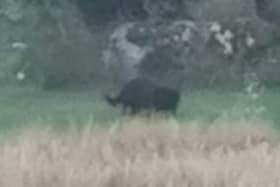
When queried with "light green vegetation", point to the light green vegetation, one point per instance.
{"points": [[22, 106]]}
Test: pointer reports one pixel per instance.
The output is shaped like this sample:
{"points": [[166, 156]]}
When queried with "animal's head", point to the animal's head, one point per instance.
{"points": [[112, 101]]}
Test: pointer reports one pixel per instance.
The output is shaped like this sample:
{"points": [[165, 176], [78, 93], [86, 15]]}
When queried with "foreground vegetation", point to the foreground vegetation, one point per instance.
{"points": [[142, 152], [218, 138]]}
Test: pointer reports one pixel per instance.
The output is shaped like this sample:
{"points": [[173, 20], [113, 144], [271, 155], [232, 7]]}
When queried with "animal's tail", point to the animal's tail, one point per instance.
{"points": [[112, 101]]}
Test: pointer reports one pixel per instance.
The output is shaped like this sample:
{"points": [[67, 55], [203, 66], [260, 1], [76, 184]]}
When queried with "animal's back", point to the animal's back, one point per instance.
{"points": [[166, 99], [138, 93]]}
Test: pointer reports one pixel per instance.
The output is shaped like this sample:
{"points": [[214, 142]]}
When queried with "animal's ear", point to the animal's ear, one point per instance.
{"points": [[106, 97]]}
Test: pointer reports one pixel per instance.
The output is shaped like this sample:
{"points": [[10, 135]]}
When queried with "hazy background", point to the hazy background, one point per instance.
{"points": [[58, 58], [52, 44]]}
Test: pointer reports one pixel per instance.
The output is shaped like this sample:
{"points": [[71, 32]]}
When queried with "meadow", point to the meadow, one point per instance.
{"points": [[64, 139], [20, 106]]}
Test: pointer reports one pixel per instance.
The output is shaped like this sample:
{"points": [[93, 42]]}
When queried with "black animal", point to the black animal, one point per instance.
{"points": [[165, 99], [268, 10], [142, 94], [135, 95]]}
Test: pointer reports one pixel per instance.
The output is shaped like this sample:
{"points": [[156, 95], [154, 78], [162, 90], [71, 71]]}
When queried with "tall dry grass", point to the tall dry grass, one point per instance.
{"points": [[144, 153]]}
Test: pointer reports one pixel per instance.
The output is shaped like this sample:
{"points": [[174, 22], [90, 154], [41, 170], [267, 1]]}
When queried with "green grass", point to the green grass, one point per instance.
{"points": [[22, 106], [212, 104]]}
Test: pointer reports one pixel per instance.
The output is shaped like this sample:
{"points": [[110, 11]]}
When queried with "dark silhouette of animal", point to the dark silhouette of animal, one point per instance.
{"points": [[165, 99], [135, 95], [142, 94], [268, 10]]}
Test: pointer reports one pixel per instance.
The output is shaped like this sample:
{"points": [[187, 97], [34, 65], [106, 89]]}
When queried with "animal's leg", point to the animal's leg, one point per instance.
{"points": [[112, 101], [125, 110], [173, 112], [134, 110]]}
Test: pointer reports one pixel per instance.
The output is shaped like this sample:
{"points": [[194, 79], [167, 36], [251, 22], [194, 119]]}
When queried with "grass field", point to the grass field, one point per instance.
{"points": [[140, 153], [218, 139], [22, 106]]}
